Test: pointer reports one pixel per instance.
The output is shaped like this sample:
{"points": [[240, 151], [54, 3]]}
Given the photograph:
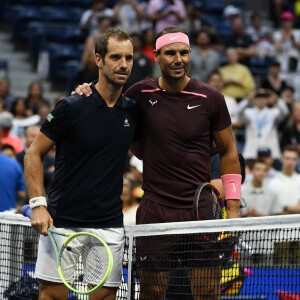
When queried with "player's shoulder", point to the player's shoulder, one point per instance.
{"points": [[205, 89], [128, 102], [142, 86]]}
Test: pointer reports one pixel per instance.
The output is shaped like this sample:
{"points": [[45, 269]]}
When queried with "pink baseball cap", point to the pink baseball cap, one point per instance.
{"points": [[286, 15]]}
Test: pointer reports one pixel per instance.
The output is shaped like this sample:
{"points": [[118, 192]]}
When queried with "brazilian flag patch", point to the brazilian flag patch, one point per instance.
{"points": [[50, 117]]}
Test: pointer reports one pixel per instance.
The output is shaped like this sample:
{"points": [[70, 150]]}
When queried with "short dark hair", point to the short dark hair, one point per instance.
{"points": [[102, 40], [255, 15], [7, 146], [215, 72], [258, 161], [290, 148], [275, 63]]}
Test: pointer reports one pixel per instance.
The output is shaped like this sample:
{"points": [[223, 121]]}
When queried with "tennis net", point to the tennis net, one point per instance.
{"points": [[251, 258]]}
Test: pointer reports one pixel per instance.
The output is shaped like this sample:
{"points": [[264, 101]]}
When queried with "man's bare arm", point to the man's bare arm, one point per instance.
{"points": [[229, 164], [33, 161]]}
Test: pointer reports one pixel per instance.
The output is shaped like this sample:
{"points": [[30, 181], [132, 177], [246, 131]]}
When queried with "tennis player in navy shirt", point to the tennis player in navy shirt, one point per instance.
{"points": [[92, 139], [180, 119]]}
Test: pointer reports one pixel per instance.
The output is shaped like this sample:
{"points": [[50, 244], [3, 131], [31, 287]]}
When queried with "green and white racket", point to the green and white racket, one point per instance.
{"points": [[84, 261]]}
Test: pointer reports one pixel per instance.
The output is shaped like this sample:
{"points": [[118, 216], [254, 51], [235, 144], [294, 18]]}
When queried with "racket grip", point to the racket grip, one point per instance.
{"points": [[26, 211]]}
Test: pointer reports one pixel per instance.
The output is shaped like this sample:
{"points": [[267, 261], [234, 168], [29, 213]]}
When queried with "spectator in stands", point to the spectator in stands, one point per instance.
{"points": [[130, 204], [241, 41], [127, 15], [135, 173], [238, 80], [5, 94], [273, 81], [164, 13], [231, 12], [9, 151], [35, 98], [44, 111], [265, 154], [89, 70], [2, 106], [6, 123], [288, 96], [256, 31], [291, 134], [215, 80], [261, 113], [259, 198], [286, 186], [21, 118], [89, 20], [12, 184], [287, 43], [103, 24], [142, 67], [204, 60], [148, 44], [48, 162], [194, 20]]}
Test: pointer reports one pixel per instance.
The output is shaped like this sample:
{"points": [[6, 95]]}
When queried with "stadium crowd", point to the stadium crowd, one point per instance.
{"points": [[255, 66]]}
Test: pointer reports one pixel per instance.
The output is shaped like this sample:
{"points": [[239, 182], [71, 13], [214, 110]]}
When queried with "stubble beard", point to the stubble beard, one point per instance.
{"points": [[114, 83]]}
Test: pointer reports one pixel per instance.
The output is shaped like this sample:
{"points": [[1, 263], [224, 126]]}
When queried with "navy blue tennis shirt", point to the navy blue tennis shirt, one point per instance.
{"points": [[92, 142]]}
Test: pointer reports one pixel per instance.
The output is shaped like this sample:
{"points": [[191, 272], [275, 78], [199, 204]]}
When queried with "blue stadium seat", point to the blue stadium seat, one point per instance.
{"points": [[79, 3], [72, 68], [224, 30], [76, 13], [4, 67], [55, 14], [259, 66], [214, 7], [21, 16], [59, 55]]}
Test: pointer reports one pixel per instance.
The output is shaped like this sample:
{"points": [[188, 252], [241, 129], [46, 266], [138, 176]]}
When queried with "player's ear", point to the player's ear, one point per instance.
{"points": [[98, 60], [156, 56]]}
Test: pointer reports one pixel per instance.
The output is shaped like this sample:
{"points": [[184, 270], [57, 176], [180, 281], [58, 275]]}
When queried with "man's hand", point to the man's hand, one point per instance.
{"points": [[41, 220], [233, 209], [83, 89]]}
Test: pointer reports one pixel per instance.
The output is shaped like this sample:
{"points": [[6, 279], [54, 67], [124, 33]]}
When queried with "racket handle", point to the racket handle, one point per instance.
{"points": [[26, 211]]}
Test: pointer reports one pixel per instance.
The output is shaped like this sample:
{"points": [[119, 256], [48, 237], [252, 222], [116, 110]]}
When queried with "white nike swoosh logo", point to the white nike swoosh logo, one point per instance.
{"points": [[175, 37], [191, 107], [234, 190]]}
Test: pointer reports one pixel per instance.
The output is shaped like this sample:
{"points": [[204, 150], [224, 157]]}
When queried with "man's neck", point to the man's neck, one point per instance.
{"points": [[256, 183], [173, 85], [287, 173], [108, 92]]}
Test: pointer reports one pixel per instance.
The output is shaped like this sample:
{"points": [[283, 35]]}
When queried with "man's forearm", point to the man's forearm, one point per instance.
{"points": [[34, 174]]}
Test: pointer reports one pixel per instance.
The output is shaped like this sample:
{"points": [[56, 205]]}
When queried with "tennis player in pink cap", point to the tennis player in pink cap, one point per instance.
{"points": [[180, 119]]}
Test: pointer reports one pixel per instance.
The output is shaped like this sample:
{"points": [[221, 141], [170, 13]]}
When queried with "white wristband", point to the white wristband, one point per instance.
{"points": [[37, 201]]}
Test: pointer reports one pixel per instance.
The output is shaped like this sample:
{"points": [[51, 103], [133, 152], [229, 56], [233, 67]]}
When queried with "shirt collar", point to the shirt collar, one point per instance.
{"points": [[101, 101]]}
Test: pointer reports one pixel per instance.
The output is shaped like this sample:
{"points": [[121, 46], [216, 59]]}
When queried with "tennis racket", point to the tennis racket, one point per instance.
{"points": [[84, 261], [209, 205]]}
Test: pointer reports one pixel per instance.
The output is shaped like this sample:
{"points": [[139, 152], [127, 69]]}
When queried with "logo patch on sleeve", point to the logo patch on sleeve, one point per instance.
{"points": [[50, 117]]}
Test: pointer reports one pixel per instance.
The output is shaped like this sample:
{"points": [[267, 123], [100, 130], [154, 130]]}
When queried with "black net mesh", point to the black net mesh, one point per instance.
{"points": [[261, 263]]}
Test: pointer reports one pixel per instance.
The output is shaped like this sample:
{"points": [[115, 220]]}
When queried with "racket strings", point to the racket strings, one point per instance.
{"points": [[84, 262], [208, 207]]}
